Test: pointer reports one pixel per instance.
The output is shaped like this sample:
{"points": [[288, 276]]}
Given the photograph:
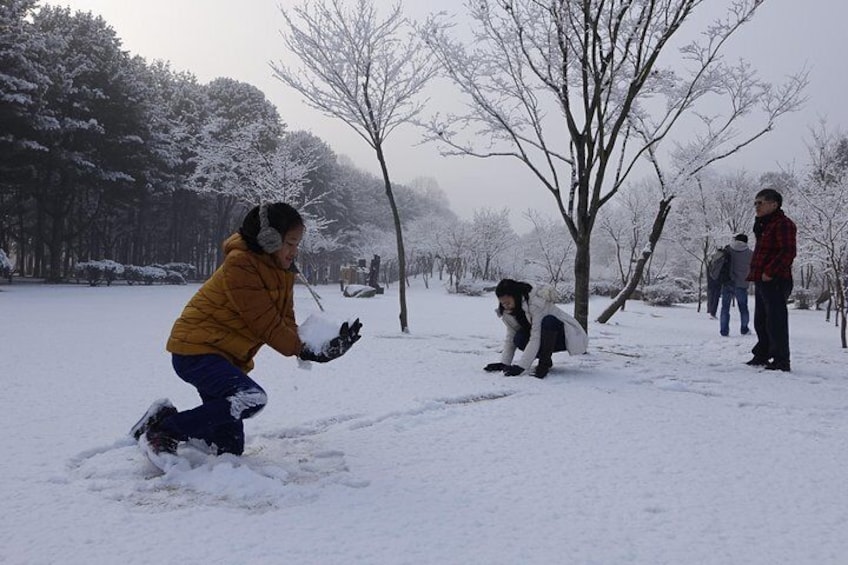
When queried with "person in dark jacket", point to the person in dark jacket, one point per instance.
{"points": [[713, 287], [771, 273], [737, 287]]}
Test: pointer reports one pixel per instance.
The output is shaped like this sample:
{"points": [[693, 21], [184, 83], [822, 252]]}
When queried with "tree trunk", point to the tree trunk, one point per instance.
{"points": [[224, 206], [404, 323], [636, 277], [840, 308], [582, 259]]}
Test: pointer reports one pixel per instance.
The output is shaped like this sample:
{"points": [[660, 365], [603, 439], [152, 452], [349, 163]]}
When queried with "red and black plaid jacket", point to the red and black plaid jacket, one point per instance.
{"points": [[775, 248]]}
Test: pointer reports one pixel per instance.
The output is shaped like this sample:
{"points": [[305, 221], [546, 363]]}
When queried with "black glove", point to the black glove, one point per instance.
{"points": [[513, 371], [338, 346], [491, 367], [308, 355]]}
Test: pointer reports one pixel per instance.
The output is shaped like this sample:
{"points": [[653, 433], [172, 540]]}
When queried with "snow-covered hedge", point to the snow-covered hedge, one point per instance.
{"points": [[470, 288], [610, 289], [564, 294], [804, 298], [145, 275], [135, 274], [6, 266], [96, 272], [185, 270], [669, 292]]}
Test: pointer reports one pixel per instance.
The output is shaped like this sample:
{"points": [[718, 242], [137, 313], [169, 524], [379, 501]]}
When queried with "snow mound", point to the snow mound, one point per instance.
{"points": [[274, 472]]}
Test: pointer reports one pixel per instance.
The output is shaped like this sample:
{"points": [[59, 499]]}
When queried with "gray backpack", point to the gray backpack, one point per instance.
{"points": [[718, 268]]}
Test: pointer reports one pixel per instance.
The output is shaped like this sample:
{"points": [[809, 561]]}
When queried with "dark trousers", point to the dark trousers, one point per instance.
{"points": [[771, 319], [228, 396], [713, 294], [549, 323]]}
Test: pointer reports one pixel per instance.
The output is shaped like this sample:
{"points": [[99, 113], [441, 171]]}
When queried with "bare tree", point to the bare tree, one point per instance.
{"points": [[548, 248], [626, 222], [455, 242], [491, 236], [362, 70], [822, 216], [595, 63]]}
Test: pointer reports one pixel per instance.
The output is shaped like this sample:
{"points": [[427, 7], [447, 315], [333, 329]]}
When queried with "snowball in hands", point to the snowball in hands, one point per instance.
{"points": [[317, 332]]}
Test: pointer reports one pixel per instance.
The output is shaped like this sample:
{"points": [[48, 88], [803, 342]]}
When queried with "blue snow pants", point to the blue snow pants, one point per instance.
{"points": [[228, 397]]}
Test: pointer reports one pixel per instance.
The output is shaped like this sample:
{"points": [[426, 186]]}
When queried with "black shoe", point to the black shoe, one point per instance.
{"points": [[542, 370], [158, 440], [757, 361], [778, 366], [745, 331], [157, 412]]}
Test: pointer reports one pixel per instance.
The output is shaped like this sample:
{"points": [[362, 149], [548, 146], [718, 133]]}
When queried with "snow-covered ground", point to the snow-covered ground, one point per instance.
{"points": [[658, 446]]}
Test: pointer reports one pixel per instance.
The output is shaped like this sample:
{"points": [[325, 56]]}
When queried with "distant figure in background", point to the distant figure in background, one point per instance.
{"points": [[771, 273], [535, 325], [737, 286], [713, 284]]}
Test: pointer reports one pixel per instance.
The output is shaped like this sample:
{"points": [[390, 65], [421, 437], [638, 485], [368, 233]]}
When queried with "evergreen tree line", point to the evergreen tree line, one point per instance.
{"points": [[106, 156]]}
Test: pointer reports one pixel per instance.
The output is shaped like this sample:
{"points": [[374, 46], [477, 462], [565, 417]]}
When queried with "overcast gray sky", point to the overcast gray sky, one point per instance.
{"points": [[212, 38]]}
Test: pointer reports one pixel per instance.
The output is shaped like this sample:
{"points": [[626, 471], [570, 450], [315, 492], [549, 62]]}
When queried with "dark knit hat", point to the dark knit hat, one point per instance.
{"points": [[741, 237]]}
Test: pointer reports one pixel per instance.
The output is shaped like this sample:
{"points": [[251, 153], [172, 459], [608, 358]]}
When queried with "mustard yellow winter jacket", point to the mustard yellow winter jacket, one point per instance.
{"points": [[248, 302]]}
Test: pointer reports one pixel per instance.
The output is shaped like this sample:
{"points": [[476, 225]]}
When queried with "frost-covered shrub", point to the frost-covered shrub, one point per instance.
{"points": [[146, 275], [470, 288], [803, 298], [665, 293], [186, 270], [95, 272], [6, 266], [688, 290], [610, 289], [564, 293], [174, 277], [133, 274]]}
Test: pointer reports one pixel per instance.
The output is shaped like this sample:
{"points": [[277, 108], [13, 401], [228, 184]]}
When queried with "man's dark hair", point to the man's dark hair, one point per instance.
{"points": [[771, 195]]}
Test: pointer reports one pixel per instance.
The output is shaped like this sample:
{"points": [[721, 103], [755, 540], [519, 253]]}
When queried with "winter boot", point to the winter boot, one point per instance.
{"points": [[757, 361], [157, 412], [778, 366], [547, 343], [158, 440]]}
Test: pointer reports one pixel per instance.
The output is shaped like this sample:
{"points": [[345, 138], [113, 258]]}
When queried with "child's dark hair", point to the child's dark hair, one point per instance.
{"points": [[519, 291], [281, 217]]}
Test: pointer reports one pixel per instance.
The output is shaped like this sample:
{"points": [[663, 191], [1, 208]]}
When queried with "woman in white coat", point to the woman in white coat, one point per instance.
{"points": [[535, 325]]}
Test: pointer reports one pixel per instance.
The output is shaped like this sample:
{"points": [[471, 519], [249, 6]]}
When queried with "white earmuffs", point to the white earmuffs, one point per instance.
{"points": [[268, 238]]}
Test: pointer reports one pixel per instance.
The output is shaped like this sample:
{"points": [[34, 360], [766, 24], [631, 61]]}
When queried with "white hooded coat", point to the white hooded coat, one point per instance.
{"points": [[541, 304]]}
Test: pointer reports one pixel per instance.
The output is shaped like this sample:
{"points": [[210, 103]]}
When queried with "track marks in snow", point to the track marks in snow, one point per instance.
{"points": [[281, 469]]}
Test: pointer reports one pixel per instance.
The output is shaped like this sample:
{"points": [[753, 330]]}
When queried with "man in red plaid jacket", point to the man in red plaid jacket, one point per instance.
{"points": [[771, 272]]}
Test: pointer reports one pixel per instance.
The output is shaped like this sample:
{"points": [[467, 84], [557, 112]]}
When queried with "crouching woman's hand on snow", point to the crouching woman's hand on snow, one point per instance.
{"points": [[513, 370]]}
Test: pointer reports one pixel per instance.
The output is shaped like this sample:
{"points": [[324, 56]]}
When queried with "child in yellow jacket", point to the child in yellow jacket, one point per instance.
{"points": [[248, 302]]}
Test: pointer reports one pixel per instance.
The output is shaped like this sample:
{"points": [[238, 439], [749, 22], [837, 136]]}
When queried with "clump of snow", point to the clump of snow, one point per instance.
{"points": [[318, 329], [359, 291]]}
